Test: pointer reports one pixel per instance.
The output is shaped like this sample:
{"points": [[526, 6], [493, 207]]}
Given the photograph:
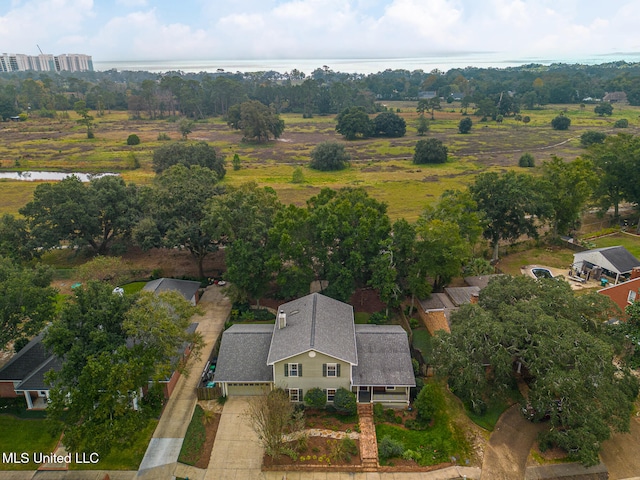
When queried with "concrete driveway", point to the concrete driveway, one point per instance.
{"points": [[162, 454], [236, 453]]}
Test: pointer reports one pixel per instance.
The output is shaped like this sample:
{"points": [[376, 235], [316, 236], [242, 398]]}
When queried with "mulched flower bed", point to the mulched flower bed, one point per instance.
{"points": [[317, 454]]}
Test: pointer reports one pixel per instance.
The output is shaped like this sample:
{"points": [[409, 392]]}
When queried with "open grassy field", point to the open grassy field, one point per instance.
{"points": [[382, 166]]}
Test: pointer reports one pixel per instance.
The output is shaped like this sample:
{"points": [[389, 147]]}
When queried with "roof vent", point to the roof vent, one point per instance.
{"points": [[282, 319]]}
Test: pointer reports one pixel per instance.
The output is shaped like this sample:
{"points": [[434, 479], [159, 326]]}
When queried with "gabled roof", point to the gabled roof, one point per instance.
{"points": [[616, 259], [26, 360], [35, 381], [243, 354], [384, 358], [315, 322], [187, 288]]}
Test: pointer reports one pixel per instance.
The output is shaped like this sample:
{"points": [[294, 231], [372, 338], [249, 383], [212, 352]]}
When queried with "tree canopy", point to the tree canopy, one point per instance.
{"points": [[240, 219], [567, 187], [95, 214], [111, 347], [511, 204], [174, 210], [187, 154], [561, 122], [255, 120], [327, 156], [430, 150], [464, 126], [388, 124], [353, 122], [27, 302], [540, 333]]}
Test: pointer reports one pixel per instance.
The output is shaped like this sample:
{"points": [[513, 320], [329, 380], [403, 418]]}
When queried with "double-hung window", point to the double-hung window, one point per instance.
{"points": [[292, 369], [331, 370], [295, 394], [331, 393]]}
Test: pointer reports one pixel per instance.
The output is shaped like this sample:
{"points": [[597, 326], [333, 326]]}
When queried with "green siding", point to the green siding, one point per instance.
{"points": [[312, 373]]}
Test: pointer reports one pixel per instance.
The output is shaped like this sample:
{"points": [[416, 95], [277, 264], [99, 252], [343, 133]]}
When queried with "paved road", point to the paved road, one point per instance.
{"points": [[505, 456], [162, 454]]}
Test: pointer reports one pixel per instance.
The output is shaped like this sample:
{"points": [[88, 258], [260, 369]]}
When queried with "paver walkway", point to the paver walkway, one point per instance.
{"points": [[162, 454], [368, 442]]}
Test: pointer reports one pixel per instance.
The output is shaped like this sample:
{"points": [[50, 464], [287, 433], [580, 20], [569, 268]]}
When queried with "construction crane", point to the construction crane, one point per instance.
{"points": [[39, 49]]}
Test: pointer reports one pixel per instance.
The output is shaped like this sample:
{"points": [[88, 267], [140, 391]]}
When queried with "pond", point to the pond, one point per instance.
{"points": [[46, 176]]}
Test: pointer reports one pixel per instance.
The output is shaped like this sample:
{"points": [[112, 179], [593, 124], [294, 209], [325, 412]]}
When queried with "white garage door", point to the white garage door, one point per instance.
{"points": [[247, 388]]}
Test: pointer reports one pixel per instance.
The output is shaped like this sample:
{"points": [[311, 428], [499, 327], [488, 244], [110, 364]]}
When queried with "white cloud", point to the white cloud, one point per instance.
{"points": [[161, 29], [132, 3], [43, 22]]}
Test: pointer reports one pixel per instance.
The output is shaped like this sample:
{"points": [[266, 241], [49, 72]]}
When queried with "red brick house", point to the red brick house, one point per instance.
{"points": [[624, 293]]}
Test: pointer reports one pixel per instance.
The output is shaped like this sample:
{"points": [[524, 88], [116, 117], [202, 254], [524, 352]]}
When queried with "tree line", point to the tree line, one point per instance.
{"points": [[199, 95]]}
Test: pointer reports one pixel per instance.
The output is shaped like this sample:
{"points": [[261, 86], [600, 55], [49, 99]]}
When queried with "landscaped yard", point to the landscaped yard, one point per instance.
{"points": [[423, 341], [425, 444], [551, 257], [199, 439]]}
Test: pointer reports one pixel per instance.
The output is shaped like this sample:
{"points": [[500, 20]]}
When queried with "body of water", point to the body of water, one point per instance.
{"points": [[49, 176], [357, 65]]}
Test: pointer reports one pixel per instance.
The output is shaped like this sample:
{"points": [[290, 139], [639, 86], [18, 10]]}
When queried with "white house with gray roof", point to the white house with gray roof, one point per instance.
{"points": [[316, 344]]}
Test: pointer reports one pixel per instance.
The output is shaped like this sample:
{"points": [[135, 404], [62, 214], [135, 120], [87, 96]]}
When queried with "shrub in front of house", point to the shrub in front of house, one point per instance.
{"points": [[315, 398], [344, 402]]}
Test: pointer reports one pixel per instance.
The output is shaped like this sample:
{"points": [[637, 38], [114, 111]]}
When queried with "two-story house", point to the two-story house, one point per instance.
{"points": [[316, 344]]}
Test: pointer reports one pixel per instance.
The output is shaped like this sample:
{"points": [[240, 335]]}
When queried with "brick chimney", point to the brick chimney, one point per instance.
{"points": [[635, 273], [474, 298]]}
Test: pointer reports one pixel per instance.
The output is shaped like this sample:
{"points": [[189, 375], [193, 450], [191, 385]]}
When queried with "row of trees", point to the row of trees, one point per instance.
{"points": [[493, 91]]}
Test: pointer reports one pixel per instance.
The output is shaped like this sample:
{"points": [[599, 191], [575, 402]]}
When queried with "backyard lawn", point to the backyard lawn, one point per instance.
{"points": [[627, 240]]}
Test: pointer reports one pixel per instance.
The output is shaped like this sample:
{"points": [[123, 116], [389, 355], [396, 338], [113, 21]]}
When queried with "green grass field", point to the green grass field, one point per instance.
{"points": [[382, 166], [628, 241], [19, 435]]}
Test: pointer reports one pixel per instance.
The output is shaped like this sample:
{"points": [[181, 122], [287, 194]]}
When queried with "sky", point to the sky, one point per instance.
{"points": [[134, 30]]}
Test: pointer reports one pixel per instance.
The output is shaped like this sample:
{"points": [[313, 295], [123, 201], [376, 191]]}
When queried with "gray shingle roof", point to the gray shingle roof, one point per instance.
{"points": [[480, 281], [25, 361], [187, 288], [461, 295], [384, 358], [617, 259], [243, 354], [35, 381], [315, 322]]}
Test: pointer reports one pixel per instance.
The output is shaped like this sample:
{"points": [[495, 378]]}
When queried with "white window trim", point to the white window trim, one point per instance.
{"points": [[297, 395], [333, 366], [631, 297], [293, 366], [334, 394]]}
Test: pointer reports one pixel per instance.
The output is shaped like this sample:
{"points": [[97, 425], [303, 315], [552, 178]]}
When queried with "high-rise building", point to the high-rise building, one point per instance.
{"points": [[72, 62]]}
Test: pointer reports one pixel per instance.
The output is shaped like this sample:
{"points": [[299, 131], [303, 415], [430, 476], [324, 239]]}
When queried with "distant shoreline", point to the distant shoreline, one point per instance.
{"points": [[357, 65]]}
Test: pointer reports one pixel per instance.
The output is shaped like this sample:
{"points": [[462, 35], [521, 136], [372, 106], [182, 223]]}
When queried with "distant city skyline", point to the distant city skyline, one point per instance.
{"points": [[136, 30]]}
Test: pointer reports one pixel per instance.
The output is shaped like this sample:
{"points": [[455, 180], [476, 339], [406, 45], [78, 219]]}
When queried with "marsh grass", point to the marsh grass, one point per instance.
{"points": [[53, 144]]}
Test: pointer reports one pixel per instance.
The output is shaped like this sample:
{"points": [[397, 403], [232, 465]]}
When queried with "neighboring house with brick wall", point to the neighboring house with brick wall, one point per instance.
{"points": [[626, 293], [316, 344]]}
